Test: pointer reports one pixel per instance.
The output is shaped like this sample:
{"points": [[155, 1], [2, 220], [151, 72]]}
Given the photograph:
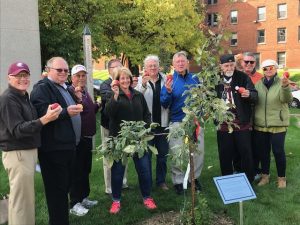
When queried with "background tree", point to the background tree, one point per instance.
{"points": [[132, 27]]}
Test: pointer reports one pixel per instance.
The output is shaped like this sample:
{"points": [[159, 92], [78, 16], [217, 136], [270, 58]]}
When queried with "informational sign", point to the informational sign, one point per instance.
{"points": [[234, 188]]}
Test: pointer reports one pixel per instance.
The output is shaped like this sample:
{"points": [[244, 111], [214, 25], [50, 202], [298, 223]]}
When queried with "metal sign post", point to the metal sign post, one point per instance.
{"points": [[241, 214]]}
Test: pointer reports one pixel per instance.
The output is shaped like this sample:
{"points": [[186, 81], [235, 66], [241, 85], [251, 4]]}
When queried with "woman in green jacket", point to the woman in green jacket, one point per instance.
{"points": [[271, 121]]}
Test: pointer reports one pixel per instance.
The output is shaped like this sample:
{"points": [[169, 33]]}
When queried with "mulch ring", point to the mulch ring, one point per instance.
{"points": [[172, 218]]}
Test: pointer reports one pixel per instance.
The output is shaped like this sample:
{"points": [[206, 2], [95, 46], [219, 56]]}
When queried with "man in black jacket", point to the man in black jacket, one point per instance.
{"points": [[238, 91], [59, 139], [106, 93]]}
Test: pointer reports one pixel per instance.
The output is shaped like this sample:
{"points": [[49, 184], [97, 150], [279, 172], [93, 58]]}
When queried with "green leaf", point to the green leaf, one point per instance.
{"points": [[153, 149], [148, 138], [129, 149]]}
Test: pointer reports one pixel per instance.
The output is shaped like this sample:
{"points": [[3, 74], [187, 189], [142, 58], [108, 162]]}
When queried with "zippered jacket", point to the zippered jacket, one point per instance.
{"points": [[271, 109], [134, 109]]}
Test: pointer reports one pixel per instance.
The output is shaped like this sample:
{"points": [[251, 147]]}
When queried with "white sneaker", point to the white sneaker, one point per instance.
{"points": [[88, 203], [78, 210]]}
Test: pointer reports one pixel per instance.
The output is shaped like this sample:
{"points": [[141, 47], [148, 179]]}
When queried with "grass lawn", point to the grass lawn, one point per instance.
{"points": [[272, 206]]}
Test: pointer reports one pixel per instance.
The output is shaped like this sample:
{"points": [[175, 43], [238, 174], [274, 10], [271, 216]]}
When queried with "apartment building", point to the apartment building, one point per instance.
{"points": [[269, 28]]}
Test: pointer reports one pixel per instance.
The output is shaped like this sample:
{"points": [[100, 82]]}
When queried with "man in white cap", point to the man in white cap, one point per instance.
{"points": [[80, 186]]}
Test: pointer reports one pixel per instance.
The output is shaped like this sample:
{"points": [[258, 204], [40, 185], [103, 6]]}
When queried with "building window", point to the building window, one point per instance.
{"points": [[234, 17], [257, 57], [212, 19], [260, 36], [281, 59], [234, 39], [282, 11], [261, 13], [299, 33], [212, 2], [281, 35]]}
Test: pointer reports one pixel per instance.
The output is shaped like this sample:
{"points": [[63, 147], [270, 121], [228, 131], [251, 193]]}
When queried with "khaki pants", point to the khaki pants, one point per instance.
{"points": [[176, 172], [20, 167], [106, 169]]}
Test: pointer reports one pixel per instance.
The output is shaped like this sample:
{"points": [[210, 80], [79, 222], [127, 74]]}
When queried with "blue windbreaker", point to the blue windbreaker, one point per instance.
{"points": [[175, 99]]}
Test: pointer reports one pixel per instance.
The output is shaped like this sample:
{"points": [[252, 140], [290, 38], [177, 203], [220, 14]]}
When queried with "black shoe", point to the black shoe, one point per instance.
{"points": [[198, 186], [178, 189]]}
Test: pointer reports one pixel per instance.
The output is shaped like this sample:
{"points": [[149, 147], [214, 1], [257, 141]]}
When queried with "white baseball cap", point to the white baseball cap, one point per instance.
{"points": [[269, 62], [78, 68]]}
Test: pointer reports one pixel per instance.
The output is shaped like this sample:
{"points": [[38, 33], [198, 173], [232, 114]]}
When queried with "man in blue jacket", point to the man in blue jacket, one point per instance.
{"points": [[172, 97]]}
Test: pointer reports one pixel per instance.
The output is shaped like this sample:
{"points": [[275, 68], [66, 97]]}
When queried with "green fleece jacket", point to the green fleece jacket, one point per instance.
{"points": [[271, 109]]}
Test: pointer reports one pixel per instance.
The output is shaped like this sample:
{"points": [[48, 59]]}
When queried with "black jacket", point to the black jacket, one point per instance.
{"points": [[58, 134], [105, 93], [135, 109], [19, 124], [243, 105]]}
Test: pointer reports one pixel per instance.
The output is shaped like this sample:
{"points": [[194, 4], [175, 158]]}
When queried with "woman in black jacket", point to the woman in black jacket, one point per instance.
{"points": [[129, 105]]}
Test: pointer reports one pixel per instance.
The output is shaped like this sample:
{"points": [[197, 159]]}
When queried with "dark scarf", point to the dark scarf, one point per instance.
{"points": [[268, 83]]}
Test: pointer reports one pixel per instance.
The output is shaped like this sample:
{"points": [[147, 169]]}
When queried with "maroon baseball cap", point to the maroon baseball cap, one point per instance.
{"points": [[17, 67]]}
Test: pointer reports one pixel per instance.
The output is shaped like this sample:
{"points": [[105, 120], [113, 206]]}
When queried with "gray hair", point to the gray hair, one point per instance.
{"points": [[50, 61], [251, 54], [113, 61], [151, 57], [178, 54]]}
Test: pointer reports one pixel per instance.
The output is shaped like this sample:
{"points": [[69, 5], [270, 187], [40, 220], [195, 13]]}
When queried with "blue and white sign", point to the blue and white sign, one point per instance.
{"points": [[234, 188]]}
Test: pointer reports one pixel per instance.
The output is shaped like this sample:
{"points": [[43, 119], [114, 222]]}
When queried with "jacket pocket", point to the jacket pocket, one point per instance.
{"points": [[280, 115]]}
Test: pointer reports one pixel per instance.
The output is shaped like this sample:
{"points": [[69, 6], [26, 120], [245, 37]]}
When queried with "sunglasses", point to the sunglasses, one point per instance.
{"points": [[60, 70], [247, 62], [268, 68]]}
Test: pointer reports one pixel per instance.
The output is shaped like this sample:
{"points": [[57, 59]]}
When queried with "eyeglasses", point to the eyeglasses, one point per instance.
{"points": [[60, 70], [21, 75], [268, 68], [247, 62]]}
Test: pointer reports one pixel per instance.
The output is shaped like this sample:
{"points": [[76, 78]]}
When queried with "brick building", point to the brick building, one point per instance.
{"points": [[269, 28]]}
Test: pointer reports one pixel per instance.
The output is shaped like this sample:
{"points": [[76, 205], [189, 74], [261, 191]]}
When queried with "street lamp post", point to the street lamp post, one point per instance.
{"points": [[87, 48]]}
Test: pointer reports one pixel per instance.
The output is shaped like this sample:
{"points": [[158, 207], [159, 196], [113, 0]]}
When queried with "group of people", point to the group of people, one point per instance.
{"points": [[261, 112], [57, 123], [59, 120]]}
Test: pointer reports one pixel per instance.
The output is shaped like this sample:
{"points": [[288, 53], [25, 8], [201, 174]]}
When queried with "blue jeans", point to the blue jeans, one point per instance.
{"points": [[142, 168], [162, 145]]}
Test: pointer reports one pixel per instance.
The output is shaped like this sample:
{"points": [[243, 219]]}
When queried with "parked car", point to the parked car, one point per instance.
{"points": [[296, 99], [96, 86]]}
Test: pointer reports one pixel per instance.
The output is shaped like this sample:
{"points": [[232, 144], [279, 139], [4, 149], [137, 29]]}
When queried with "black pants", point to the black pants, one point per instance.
{"points": [[268, 141], [228, 143], [255, 153], [56, 169], [80, 185]]}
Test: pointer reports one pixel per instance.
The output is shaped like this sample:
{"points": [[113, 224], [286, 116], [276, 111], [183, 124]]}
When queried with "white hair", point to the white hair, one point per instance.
{"points": [[151, 58]]}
